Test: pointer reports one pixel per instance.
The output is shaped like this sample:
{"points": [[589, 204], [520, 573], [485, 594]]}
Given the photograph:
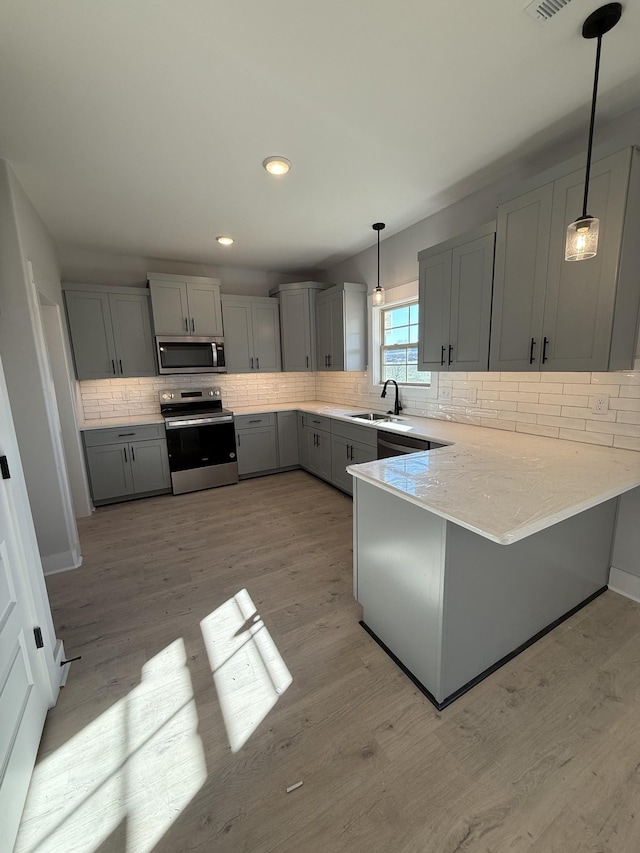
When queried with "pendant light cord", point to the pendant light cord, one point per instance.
{"points": [[378, 259], [591, 125]]}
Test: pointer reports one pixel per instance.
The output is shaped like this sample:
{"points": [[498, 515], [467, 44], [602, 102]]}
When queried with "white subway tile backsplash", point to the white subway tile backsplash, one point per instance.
{"points": [[564, 399], [556, 405], [536, 429], [569, 423], [626, 442], [587, 437], [538, 409]]}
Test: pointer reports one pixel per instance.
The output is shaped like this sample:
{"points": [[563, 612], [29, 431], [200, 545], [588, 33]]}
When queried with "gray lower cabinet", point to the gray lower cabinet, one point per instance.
{"points": [[319, 452], [252, 334], [110, 330], [456, 280], [303, 446], [345, 452], [550, 314], [288, 456], [125, 463], [257, 444], [351, 444]]}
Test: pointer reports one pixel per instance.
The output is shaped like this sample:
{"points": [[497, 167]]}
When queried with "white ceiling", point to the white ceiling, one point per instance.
{"points": [[140, 127]]}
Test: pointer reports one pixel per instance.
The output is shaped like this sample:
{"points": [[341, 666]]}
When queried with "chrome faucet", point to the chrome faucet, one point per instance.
{"points": [[397, 408]]}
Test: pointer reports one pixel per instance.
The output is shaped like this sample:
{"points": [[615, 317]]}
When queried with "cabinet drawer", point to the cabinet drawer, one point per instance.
{"points": [[124, 434], [355, 432], [253, 421], [317, 421]]}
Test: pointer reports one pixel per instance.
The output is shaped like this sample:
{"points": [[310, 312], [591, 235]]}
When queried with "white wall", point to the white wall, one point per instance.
{"points": [[86, 267], [398, 253], [24, 239]]}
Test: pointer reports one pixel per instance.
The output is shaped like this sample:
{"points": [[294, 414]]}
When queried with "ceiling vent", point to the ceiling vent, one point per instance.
{"points": [[544, 10]]}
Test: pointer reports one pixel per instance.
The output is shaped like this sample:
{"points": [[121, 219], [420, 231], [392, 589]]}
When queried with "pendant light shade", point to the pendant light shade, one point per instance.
{"points": [[378, 293], [582, 235], [582, 239]]}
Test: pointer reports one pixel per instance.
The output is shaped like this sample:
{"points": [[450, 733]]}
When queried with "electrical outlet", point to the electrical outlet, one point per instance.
{"points": [[445, 393], [600, 404]]}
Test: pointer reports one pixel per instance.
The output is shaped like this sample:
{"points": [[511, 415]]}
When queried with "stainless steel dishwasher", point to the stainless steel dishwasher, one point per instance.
{"points": [[394, 444]]}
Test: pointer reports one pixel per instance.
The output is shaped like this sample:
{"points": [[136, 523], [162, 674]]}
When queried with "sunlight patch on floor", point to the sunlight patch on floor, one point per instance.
{"points": [[138, 764], [248, 671]]}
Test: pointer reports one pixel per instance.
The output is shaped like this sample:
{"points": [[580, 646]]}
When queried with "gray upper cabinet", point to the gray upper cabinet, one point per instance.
{"points": [[252, 334], [298, 324], [581, 297], [341, 327], [522, 248], [550, 314], [110, 331], [184, 305], [456, 280]]}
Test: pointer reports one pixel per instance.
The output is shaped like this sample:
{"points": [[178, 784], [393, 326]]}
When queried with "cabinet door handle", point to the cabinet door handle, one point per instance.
{"points": [[186, 325], [533, 343], [307, 362], [125, 434], [330, 359], [450, 351], [257, 363], [251, 364], [113, 366], [256, 421], [545, 342], [120, 363], [442, 349], [193, 325], [238, 437], [133, 454], [124, 450]]}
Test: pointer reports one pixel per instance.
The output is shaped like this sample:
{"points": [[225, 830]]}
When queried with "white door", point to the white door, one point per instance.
{"points": [[23, 690]]}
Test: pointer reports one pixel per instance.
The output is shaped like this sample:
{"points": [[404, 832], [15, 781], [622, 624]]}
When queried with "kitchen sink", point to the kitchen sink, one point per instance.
{"points": [[371, 416]]}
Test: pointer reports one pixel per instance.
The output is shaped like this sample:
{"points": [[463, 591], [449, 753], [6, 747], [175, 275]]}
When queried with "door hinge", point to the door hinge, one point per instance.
{"points": [[37, 633], [4, 468]]}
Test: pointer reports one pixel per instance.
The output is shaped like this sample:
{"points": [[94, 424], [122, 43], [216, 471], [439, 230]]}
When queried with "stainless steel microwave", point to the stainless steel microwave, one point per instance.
{"points": [[190, 354]]}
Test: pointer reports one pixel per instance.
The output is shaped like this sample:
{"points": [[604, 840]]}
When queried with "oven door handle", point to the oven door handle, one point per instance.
{"points": [[226, 419]]}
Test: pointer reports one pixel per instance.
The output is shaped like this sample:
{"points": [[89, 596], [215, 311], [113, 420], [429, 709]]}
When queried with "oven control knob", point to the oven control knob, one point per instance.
{"points": [[232, 456]]}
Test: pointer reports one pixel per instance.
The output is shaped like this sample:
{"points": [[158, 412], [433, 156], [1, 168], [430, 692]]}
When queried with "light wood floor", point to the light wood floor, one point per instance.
{"points": [[543, 756]]}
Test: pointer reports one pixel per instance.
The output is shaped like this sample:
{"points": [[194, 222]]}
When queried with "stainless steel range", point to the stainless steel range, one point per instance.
{"points": [[200, 437]]}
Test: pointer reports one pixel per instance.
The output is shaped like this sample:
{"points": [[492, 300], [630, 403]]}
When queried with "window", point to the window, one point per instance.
{"points": [[399, 345]]}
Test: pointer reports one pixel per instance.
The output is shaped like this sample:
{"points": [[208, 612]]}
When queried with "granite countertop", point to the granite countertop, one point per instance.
{"points": [[502, 485]]}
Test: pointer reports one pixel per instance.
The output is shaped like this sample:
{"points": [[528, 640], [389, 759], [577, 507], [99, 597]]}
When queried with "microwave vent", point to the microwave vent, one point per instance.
{"points": [[544, 10]]}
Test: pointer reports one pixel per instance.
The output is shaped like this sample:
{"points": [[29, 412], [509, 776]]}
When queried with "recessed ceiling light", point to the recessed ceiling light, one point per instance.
{"points": [[225, 241], [277, 165]]}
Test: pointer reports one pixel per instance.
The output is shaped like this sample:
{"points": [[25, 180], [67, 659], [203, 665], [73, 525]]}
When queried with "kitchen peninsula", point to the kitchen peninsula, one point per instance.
{"points": [[466, 554]]}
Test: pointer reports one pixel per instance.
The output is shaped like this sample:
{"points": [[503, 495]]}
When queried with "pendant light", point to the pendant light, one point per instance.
{"points": [[582, 235], [378, 293]]}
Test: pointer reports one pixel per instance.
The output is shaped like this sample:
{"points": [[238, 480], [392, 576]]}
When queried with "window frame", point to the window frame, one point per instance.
{"points": [[394, 297], [386, 347]]}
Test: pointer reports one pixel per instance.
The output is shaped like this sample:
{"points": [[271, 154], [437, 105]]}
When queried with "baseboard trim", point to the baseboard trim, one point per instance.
{"points": [[65, 562], [489, 670], [624, 583]]}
